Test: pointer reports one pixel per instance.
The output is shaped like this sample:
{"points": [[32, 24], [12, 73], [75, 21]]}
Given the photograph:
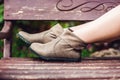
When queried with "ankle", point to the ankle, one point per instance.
{"points": [[81, 37]]}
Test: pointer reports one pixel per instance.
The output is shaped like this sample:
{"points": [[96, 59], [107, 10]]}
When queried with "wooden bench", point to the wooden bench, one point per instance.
{"points": [[36, 69]]}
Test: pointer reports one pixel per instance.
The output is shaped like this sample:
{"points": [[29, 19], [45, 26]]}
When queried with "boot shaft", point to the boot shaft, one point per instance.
{"points": [[73, 40]]}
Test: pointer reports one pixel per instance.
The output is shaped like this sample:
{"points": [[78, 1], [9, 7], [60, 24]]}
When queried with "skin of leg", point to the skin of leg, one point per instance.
{"points": [[74, 28], [106, 27], [79, 26]]}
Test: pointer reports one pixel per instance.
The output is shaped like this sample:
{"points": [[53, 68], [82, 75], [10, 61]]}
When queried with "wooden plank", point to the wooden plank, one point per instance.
{"points": [[17, 68], [57, 9]]}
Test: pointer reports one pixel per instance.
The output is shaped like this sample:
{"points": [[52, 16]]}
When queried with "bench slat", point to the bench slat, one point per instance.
{"points": [[39, 70], [57, 9]]}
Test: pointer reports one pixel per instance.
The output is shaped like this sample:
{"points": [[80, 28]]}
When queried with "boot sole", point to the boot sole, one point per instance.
{"points": [[56, 59], [23, 39]]}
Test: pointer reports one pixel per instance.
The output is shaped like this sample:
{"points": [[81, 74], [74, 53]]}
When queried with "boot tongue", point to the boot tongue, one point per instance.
{"points": [[73, 40]]}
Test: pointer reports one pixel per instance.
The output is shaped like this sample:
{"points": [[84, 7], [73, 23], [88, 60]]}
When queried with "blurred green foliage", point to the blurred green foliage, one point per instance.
{"points": [[19, 48], [1, 13], [1, 22]]}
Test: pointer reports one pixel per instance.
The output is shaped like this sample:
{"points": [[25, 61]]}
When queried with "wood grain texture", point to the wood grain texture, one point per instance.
{"points": [[57, 9], [18, 68]]}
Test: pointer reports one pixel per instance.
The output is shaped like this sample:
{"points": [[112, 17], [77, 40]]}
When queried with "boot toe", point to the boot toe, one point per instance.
{"points": [[34, 47], [24, 36], [38, 49]]}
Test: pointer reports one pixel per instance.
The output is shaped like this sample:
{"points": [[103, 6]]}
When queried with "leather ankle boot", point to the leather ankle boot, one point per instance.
{"points": [[42, 37], [65, 47]]}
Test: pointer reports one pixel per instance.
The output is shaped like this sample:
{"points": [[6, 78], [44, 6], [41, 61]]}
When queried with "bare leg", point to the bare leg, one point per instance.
{"points": [[104, 28], [79, 26]]}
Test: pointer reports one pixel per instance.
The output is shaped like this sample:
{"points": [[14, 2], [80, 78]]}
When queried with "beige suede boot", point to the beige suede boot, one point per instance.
{"points": [[42, 37], [65, 47]]}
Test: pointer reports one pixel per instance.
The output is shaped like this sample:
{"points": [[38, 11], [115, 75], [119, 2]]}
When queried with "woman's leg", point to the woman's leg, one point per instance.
{"points": [[104, 28], [74, 28]]}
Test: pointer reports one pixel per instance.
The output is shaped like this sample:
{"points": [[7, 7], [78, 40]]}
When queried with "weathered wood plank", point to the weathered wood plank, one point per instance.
{"points": [[36, 69], [57, 9]]}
